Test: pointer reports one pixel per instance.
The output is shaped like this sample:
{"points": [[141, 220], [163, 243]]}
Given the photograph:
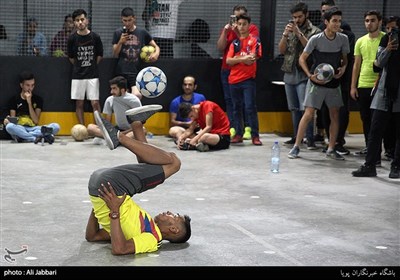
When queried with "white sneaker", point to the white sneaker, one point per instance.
{"points": [[142, 113], [98, 141]]}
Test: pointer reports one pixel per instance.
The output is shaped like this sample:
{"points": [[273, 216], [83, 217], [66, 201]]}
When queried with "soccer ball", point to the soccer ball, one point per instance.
{"points": [[145, 53], [79, 132], [151, 82], [324, 72]]}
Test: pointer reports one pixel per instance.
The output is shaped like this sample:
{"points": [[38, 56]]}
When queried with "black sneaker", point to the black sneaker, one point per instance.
{"points": [[311, 145], [186, 146], [389, 155], [142, 113], [394, 172], [49, 138], [46, 130], [365, 171], [362, 152], [290, 142], [47, 133], [341, 150], [319, 139], [110, 133], [334, 155]]}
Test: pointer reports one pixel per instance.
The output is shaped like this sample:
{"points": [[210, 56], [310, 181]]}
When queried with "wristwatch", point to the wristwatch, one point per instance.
{"points": [[114, 215]]}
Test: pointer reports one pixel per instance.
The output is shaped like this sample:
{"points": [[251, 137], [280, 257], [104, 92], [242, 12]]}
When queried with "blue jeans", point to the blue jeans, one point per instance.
{"points": [[245, 92], [29, 133], [227, 95], [295, 95]]}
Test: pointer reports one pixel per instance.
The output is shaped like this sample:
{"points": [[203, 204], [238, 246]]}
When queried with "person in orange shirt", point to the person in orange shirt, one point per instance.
{"points": [[229, 33], [242, 57]]}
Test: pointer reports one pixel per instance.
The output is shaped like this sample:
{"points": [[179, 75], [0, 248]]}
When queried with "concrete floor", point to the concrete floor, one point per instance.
{"points": [[313, 213]]}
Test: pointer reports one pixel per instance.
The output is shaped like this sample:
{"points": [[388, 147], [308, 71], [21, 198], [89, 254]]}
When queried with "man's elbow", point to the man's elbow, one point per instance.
{"points": [[89, 238], [118, 251]]}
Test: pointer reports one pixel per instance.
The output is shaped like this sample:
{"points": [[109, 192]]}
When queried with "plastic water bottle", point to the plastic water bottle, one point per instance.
{"points": [[275, 157]]}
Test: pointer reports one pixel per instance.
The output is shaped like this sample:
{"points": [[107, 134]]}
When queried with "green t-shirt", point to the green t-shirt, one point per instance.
{"points": [[367, 48]]}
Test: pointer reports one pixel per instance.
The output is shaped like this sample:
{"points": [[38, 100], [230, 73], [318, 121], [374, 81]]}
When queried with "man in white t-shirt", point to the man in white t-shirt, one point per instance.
{"points": [[161, 19], [118, 103]]}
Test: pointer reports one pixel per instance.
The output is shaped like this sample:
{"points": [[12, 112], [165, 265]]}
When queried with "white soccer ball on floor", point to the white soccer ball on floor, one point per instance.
{"points": [[151, 82], [324, 72], [79, 132]]}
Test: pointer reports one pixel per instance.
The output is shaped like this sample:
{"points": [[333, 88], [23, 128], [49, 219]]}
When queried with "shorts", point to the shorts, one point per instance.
{"points": [[224, 143], [316, 95], [128, 178], [90, 87]]}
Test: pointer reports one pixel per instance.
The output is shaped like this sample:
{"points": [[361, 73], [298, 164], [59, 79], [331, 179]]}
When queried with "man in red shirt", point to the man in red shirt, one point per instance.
{"points": [[229, 33], [214, 124], [242, 57]]}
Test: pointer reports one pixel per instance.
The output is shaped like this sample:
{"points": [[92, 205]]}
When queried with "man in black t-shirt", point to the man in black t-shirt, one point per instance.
{"points": [[85, 50], [127, 44], [27, 107]]}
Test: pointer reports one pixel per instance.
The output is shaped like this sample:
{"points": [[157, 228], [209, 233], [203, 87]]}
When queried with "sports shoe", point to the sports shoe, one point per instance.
{"points": [[389, 155], [16, 139], [334, 155], [362, 152], [97, 141], [320, 139], [311, 145], [341, 150], [110, 133], [46, 130], [237, 139], [365, 171], [201, 147], [186, 146], [378, 163], [47, 133], [247, 133], [290, 142], [141, 114], [394, 172], [232, 131], [256, 141], [294, 152]]}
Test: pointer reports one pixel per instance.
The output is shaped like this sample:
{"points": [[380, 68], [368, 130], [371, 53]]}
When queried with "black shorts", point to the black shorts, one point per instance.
{"points": [[224, 143], [128, 178]]}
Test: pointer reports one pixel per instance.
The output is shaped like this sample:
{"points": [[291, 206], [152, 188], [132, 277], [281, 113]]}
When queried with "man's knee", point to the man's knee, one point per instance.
{"points": [[176, 162]]}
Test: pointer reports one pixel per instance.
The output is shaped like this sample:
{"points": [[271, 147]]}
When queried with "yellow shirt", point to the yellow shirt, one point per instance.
{"points": [[136, 224]]}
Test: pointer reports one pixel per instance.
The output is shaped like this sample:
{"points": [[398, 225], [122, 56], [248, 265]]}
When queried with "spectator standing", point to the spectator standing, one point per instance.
{"points": [[85, 51], [228, 34], [31, 42], [58, 46], [364, 78], [161, 20], [127, 43], [178, 125], [242, 57], [332, 47], [294, 38], [386, 105]]}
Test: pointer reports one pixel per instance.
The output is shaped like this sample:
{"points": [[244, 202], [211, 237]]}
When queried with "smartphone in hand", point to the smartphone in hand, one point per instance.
{"points": [[232, 20]]}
